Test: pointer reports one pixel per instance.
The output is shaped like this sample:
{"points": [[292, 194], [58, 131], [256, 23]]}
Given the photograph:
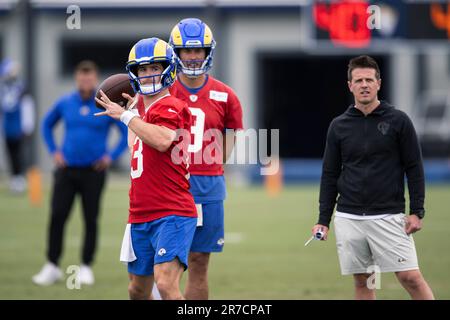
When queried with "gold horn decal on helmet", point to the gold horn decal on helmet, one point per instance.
{"points": [[176, 36], [207, 38], [160, 49], [132, 55]]}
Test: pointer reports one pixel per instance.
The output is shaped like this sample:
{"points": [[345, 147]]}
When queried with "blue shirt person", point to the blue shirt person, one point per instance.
{"points": [[81, 162], [18, 121]]}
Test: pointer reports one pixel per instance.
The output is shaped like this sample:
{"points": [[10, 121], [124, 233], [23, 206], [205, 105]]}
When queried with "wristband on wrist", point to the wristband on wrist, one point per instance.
{"points": [[126, 117], [134, 110]]}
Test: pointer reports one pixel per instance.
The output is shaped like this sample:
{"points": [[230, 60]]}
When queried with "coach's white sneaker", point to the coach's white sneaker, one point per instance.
{"points": [[86, 275], [49, 274]]}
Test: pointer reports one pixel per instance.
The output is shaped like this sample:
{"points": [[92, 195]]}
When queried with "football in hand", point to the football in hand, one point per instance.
{"points": [[113, 87]]}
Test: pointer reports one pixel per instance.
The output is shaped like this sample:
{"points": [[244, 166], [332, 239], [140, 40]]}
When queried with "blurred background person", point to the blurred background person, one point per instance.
{"points": [[81, 163], [18, 121]]}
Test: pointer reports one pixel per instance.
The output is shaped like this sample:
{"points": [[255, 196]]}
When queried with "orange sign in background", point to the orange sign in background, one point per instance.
{"points": [[440, 18], [345, 22]]}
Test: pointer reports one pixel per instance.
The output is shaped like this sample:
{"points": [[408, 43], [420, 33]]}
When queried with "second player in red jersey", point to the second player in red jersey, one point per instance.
{"points": [[215, 109], [213, 106]]}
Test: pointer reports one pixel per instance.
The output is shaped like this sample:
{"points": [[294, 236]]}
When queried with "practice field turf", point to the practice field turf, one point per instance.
{"points": [[264, 256]]}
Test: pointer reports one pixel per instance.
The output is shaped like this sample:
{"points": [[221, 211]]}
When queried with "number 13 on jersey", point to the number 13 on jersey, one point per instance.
{"points": [[137, 154]]}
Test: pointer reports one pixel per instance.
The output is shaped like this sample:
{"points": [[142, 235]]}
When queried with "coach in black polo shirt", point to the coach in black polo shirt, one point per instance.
{"points": [[369, 149]]}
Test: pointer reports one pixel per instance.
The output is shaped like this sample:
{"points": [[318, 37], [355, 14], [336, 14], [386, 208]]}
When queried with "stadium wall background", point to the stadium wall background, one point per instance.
{"points": [[257, 45]]}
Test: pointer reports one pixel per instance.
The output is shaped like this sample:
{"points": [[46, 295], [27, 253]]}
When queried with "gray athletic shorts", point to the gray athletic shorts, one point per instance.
{"points": [[380, 245]]}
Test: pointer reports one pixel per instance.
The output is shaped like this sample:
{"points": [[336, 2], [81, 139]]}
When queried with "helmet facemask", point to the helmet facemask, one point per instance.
{"points": [[194, 72], [151, 87]]}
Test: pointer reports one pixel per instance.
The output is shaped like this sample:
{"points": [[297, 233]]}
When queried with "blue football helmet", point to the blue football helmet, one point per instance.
{"points": [[148, 51], [193, 33]]}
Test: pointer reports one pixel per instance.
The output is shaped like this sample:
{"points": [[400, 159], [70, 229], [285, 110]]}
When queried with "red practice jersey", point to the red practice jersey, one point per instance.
{"points": [[160, 186], [214, 106]]}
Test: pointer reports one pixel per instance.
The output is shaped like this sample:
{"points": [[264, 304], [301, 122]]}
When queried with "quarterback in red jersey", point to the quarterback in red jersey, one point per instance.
{"points": [[162, 215], [217, 114], [159, 187]]}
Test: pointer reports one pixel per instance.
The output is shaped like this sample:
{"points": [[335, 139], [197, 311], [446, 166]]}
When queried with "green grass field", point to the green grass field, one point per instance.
{"points": [[264, 257]]}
